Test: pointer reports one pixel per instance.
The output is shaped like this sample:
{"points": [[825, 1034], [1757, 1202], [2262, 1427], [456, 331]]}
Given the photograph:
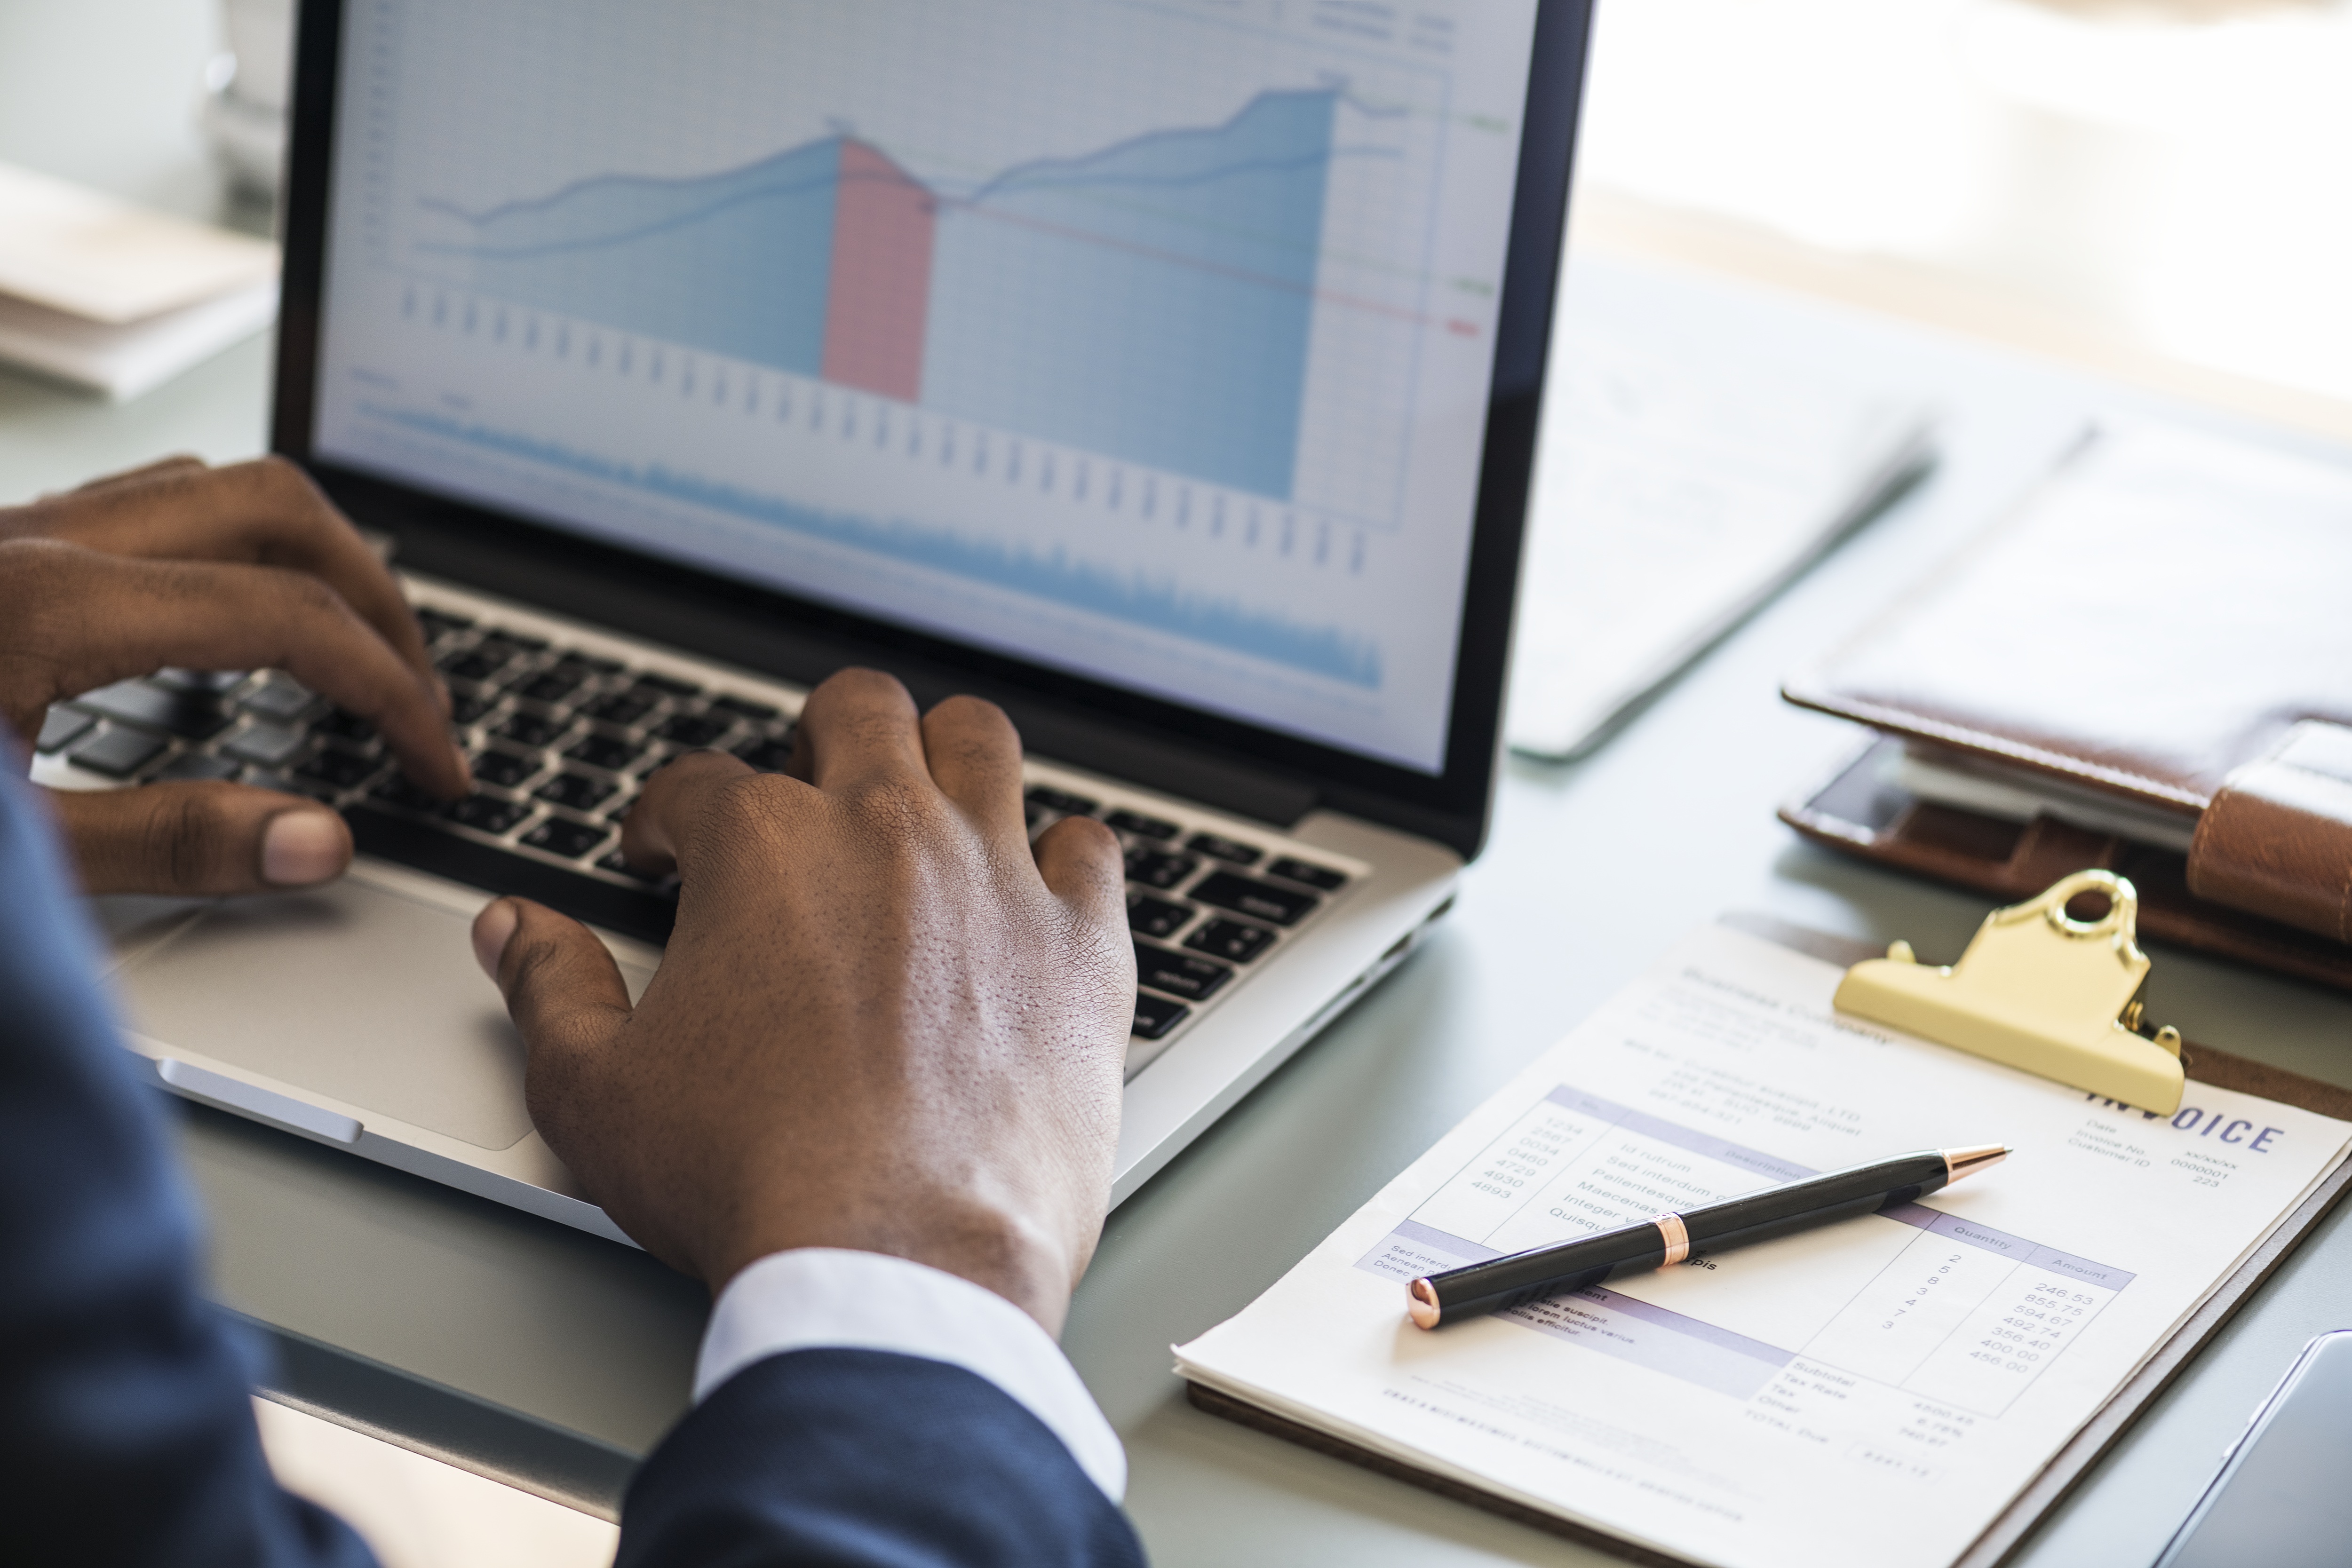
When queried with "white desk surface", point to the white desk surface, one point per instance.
{"points": [[1593, 869]]}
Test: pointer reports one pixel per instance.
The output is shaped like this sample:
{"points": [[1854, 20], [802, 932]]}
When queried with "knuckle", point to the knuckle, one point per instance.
{"points": [[965, 711], [1086, 837], [531, 960], [277, 475], [864, 678], [185, 831], [310, 596], [901, 806], [749, 813]]}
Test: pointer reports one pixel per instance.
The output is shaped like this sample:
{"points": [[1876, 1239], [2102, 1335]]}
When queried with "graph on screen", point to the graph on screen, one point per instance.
{"points": [[1123, 334], [1151, 302]]}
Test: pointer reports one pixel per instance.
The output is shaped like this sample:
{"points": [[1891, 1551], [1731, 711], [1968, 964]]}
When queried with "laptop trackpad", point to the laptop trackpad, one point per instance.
{"points": [[357, 991]]}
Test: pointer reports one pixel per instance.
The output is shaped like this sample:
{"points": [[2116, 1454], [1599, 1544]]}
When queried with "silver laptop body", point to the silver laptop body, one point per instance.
{"points": [[1166, 373]]}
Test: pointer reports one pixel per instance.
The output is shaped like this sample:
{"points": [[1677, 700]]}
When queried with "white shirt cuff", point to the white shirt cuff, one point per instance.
{"points": [[823, 1298]]}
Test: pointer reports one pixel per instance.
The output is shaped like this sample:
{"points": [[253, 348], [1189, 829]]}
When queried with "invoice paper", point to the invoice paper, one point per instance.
{"points": [[1871, 1394]]}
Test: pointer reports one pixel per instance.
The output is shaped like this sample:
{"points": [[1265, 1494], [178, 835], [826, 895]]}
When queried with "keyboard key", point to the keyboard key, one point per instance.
{"points": [[475, 664], [1062, 801], [203, 683], [1158, 868], [280, 699], [1235, 941], [504, 769], [594, 665], [61, 728], [1221, 848], [1150, 916], [1247, 896], [1307, 874], [550, 686], [467, 708], [268, 745], [488, 813], [1142, 825], [533, 729], [577, 791], [767, 755], [620, 710], [191, 715], [117, 752], [1179, 974], [604, 752], [668, 686], [339, 769], [345, 726], [744, 708], [1155, 1016], [568, 840], [438, 624], [614, 863], [693, 730], [522, 641], [397, 791], [195, 768], [1031, 813]]}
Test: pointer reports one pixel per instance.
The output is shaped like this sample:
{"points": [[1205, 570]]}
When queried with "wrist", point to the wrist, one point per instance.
{"points": [[998, 1252]]}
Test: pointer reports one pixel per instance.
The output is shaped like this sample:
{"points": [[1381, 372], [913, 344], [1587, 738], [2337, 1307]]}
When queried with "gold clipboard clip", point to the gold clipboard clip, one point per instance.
{"points": [[2040, 990]]}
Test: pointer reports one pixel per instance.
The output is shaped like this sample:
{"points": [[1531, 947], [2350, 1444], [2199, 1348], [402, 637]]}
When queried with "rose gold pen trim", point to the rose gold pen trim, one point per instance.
{"points": [[1676, 1235], [1959, 1163], [1421, 1304]]}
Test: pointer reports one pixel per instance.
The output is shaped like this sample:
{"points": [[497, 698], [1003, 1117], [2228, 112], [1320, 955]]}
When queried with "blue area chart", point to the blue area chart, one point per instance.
{"points": [[1152, 302]]}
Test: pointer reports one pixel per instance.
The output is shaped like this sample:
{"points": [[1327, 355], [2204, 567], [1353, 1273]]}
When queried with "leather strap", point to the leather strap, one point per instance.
{"points": [[2277, 838]]}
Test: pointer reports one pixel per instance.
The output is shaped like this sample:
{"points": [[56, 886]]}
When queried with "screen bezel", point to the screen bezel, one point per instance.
{"points": [[644, 594]]}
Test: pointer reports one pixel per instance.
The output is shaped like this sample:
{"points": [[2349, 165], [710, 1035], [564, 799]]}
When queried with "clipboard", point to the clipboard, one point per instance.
{"points": [[2066, 1469]]}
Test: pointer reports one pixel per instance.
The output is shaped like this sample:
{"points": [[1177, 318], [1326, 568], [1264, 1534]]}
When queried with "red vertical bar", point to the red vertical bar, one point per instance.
{"points": [[881, 286]]}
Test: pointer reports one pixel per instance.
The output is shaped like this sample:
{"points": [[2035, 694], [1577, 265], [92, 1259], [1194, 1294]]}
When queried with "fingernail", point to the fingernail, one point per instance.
{"points": [[300, 848], [493, 928]]}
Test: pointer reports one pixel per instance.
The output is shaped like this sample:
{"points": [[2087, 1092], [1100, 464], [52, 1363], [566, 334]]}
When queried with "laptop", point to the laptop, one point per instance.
{"points": [[1164, 370]]}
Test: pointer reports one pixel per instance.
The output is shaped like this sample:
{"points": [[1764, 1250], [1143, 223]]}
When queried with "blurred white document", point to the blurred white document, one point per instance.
{"points": [[1870, 1394], [1681, 482], [112, 297]]}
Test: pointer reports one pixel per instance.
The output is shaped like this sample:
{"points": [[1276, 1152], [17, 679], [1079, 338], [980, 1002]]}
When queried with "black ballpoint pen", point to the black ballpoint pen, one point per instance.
{"points": [[1501, 1284]]}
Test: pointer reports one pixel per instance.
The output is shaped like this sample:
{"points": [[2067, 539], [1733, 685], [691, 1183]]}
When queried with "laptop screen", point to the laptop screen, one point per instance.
{"points": [[1148, 341]]}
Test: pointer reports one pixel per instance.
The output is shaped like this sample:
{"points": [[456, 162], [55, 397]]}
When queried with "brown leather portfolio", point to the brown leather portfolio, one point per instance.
{"points": [[2164, 623]]}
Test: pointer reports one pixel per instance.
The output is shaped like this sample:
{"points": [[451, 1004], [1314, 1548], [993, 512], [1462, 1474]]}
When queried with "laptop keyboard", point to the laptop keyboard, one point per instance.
{"points": [[1184, 891], [561, 741]]}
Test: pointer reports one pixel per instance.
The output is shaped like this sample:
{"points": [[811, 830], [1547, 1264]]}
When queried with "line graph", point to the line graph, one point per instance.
{"points": [[1151, 301]]}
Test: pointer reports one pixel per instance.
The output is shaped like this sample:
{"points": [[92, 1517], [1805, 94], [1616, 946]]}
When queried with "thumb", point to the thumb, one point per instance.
{"points": [[200, 839], [562, 989]]}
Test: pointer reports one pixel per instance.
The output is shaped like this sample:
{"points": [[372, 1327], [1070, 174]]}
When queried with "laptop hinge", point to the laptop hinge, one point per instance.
{"points": [[737, 634]]}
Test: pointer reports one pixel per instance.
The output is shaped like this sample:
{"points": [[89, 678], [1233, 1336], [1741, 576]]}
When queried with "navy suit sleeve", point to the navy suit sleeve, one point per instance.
{"points": [[840, 1458], [126, 1434]]}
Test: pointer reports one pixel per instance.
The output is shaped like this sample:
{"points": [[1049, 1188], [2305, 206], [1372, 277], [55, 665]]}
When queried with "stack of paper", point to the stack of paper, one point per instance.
{"points": [[112, 297], [1680, 483]]}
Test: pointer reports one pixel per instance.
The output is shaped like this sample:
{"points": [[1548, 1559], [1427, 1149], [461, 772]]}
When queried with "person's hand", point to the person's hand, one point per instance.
{"points": [[246, 567], [882, 1023]]}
